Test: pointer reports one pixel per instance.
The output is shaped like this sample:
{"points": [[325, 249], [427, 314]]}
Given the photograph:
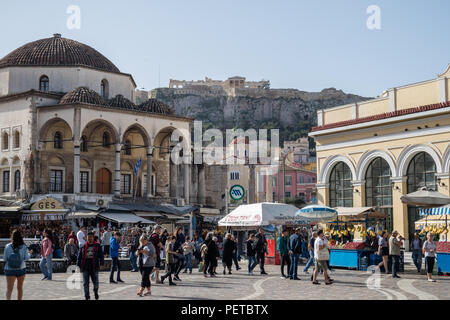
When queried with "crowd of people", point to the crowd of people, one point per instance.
{"points": [[148, 249]]}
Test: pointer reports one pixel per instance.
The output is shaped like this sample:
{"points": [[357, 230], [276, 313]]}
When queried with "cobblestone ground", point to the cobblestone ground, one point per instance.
{"points": [[349, 285]]}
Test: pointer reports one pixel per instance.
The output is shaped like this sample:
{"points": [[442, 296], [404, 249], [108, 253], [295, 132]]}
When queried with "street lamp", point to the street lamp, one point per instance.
{"points": [[284, 154]]}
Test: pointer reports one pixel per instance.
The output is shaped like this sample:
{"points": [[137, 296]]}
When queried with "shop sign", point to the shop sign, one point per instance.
{"points": [[54, 217], [237, 192], [48, 204], [31, 217]]}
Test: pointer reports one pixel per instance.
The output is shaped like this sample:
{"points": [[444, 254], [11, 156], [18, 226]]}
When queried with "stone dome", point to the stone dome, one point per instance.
{"points": [[155, 106], [120, 102], [59, 52], [83, 95]]}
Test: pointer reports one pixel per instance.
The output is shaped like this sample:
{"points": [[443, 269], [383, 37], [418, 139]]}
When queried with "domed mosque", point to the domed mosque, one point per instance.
{"points": [[70, 128]]}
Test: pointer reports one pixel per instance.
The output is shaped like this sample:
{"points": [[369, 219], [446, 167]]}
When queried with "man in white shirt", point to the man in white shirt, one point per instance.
{"points": [[81, 236], [321, 255]]}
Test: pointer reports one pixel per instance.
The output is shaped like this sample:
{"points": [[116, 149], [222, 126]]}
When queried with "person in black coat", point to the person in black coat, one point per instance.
{"points": [[251, 254], [261, 249], [229, 246], [211, 255]]}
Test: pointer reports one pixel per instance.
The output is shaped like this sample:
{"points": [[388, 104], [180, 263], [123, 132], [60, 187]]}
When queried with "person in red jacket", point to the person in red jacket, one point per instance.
{"points": [[90, 258]]}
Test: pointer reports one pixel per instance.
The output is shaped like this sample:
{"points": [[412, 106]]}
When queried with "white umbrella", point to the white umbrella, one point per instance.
{"points": [[425, 197], [317, 213], [260, 214]]}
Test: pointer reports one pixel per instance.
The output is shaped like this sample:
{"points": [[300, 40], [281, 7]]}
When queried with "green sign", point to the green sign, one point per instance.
{"points": [[237, 192]]}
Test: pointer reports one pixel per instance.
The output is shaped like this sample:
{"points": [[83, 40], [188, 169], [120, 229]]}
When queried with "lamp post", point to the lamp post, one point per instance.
{"points": [[284, 155]]}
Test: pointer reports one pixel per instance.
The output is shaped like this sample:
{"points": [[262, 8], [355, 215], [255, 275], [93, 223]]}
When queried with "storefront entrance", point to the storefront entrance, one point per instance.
{"points": [[103, 178]]}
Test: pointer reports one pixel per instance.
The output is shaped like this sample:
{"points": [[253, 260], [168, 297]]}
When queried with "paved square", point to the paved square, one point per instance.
{"points": [[349, 285]]}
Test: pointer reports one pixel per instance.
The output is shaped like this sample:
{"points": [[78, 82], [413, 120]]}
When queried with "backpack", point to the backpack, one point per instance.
{"points": [[15, 259]]}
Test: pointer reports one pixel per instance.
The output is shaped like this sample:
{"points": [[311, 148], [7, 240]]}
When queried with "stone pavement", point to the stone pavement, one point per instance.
{"points": [[349, 285]]}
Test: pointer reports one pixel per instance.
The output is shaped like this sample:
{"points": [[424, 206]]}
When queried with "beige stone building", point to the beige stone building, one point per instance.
{"points": [[371, 153], [70, 126]]}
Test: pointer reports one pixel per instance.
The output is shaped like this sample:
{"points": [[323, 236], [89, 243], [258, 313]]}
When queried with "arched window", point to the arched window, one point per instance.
{"points": [[379, 188], [83, 144], [378, 183], [44, 84], [105, 139], [128, 148], [58, 140], [5, 141], [17, 180], [421, 172], [104, 88], [16, 139], [341, 190]]}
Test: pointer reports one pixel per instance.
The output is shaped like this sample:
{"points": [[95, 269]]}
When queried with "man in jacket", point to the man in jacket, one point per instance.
{"points": [[133, 246], [156, 240], [394, 251], [416, 248], [106, 240], [261, 249], [71, 251], [90, 258], [282, 247], [114, 247], [295, 250]]}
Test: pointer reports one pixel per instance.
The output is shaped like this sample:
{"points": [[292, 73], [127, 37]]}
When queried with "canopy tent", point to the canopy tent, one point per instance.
{"points": [[124, 218], [259, 214], [358, 213], [440, 211], [435, 220], [316, 213], [10, 209], [425, 198]]}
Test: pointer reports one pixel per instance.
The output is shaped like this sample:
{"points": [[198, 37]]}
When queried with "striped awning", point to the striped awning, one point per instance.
{"points": [[435, 211]]}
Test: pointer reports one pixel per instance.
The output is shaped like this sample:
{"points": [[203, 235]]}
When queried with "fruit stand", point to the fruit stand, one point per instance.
{"points": [[443, 256], [437, 221], [349, 249]]}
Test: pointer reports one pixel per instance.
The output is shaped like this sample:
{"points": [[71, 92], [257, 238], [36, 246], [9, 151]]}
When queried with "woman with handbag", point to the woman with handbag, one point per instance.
{"points": [[146, 254]]}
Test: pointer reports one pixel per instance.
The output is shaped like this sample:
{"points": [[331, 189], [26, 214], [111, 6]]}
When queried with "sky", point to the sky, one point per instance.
{"points": [[307, 45]]}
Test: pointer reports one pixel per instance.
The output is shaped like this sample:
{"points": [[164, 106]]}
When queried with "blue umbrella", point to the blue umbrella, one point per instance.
{"points": [[316, 213]]}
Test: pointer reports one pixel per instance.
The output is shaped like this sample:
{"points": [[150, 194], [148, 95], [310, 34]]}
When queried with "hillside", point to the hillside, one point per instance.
{"points": [[290, 110]]}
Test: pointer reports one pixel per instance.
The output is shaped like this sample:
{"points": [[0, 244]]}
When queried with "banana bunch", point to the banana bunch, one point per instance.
{"points": [[372, 233]]}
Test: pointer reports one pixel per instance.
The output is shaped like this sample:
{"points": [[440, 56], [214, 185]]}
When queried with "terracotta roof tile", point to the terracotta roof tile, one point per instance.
{"points": [[85, 95], [381, 116]]}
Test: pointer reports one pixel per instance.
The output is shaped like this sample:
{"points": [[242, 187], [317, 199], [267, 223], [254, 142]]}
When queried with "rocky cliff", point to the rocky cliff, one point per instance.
{"points": [[290, 110]]}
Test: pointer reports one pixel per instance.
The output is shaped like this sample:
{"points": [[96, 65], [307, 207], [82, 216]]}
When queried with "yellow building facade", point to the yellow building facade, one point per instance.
{"points": [[371, 153]]}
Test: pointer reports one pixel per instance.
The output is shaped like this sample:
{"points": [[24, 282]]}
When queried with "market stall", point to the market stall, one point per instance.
{"points": [[266, 214], [45, 213], [355, 239], [437, 221]]}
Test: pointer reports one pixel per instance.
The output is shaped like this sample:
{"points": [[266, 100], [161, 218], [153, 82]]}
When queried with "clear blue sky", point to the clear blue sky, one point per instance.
{"points": [[309, 45]]}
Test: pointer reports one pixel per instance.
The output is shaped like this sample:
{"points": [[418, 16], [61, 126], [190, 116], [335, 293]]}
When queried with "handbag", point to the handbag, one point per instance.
{"points": [[323, 254]]}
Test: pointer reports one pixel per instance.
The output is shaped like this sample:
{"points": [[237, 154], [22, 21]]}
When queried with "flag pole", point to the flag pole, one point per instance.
{"points": [[135, 187]]}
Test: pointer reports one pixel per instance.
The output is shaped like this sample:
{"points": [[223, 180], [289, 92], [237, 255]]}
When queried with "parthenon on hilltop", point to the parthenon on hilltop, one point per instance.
{"points": [[227, 85]]}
